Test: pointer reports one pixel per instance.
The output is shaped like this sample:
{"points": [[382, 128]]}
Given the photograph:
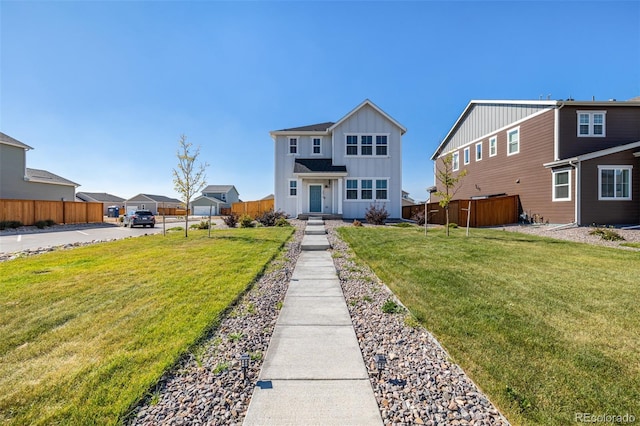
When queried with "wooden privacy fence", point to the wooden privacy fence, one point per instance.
{"points": [[492, 211], [31, 211], [167, 211], [252, 208]]}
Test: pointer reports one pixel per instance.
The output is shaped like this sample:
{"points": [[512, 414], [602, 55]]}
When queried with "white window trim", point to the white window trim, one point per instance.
{"points": [[515, 129], [614, 167], [466, 156], [359, 145], [493, 140], [289, 145], [312, 146], [289, 188], [455, 161], [591, 124], [479, 144], [553, 186], [373, 189]]}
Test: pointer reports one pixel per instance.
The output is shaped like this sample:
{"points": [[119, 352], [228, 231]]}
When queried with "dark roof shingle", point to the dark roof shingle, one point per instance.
{"points": [[37, 175], [317, 165], [320, 127]]}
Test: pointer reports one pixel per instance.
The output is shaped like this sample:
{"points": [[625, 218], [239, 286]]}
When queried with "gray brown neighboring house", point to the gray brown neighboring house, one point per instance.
{"points": [[107, 200], [214, 198], [19, 182], [151, 202], [569, 161]]}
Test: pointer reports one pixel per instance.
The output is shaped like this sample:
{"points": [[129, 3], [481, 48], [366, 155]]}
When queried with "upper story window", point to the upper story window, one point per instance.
{"points": [[479, 151], [381, 145], [513, 141], [363, 145], [466, 155], [562, 185], [493, 146], [293, 145], [316, 147], [591, 123], [455, 161], [614, 182]]}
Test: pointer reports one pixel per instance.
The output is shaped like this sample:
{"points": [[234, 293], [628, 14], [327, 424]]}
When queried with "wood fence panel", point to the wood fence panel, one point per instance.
{"points": [[31, 211], [484, 212], [252, 208], [46, 210]]}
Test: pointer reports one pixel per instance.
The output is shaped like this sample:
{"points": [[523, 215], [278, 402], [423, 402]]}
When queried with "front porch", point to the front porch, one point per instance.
{"points": [[324, 216]]}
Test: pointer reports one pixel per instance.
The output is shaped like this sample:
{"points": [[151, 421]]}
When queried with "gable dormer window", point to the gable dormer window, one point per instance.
{"points": [[293, 146], [591, 124]]}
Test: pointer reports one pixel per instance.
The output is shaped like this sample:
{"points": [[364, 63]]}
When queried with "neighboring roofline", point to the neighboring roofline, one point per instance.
{"points": [[208, 198], [275, 133], [403, 129], [8, 140], [592, 155], [62, 181]]}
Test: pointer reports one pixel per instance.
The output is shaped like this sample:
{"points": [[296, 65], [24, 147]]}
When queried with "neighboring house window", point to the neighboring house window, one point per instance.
{"points": [[562, 185], [367, 145], [479, 151], [293, 145], [317, 146], [591, 123], [381, 145], [455, 161], [352, 145], [493, 146], [223, 197], [513, 141], [366, 191], [352, 189], [466, 155], [293, 188], [381, 189], [614, 182]]}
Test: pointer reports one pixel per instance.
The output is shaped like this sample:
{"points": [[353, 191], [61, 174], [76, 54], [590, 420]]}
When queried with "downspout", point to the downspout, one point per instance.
{"points": [[577, 166], [556, 131]]}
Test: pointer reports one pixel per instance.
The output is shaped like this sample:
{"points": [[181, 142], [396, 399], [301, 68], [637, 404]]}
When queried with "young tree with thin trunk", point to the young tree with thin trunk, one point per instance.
{"points": [[189, 178], [449, 184]]}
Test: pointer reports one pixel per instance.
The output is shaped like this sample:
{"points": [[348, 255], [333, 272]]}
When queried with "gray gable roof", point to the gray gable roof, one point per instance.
{"points": [[43, 176], [99, 197], [320, 127], [218, 188], [8, 140], [315, 165]]}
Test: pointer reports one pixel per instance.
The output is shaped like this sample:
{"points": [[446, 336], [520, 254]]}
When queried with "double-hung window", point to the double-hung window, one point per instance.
{"points": [[367, 145], [614, 182], [466, 155], [293, 188], [366, 191], [493, 146], [381, 145], [316, 147], [352, 189], [455, 161], [293, 145], [591, 123], [562, 185], [479, 151], [381, 189], [513, 141], [352, 145]]}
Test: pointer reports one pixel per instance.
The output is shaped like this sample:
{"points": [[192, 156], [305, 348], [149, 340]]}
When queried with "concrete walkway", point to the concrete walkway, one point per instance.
{"points": [[313, 373]]}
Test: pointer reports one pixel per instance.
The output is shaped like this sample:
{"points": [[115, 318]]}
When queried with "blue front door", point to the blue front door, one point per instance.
{"points": [[315, 198]]}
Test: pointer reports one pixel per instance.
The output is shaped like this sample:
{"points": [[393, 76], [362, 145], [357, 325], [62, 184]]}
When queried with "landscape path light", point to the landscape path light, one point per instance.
{"points": [[244, 363], [381, 362]]}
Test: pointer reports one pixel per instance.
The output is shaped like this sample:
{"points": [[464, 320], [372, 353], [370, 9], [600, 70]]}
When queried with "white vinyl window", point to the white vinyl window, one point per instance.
{"points": [[352, 145], [493, 146], [293, 188], [381, 145], [562, 185], [316, 146], [366, 189], [363, 189], [367, 145], [352, 189], [513, 141], [455, 161], [293, 146], [466, 155], [479, 151], [614, 182], [591, 124], [381, 189]]}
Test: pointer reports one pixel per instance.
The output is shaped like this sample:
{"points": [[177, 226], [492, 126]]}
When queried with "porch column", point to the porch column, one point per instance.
{"points": [[299, 197], [340, 195]]}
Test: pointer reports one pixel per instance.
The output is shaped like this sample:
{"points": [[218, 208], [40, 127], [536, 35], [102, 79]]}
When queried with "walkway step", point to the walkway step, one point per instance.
{"points": [[315, 230], [315, 222], [314, 242]]}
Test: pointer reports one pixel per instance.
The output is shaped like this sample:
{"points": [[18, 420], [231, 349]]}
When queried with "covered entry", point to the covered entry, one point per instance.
{"points": [[320, 186]]}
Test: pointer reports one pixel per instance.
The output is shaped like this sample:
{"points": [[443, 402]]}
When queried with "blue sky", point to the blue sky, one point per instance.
{"points": [[103, 89]]}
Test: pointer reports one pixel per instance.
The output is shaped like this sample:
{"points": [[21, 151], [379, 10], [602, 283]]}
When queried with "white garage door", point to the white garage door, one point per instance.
{"points": [[204, 210]]}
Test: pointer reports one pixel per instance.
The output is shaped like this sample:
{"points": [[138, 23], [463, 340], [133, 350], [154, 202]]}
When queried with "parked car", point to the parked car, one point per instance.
{"points": [[140, 217]]}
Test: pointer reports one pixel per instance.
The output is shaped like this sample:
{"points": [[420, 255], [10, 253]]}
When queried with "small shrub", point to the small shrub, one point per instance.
{"points": [[376, 215], [246, 221], [231, 221], [50, 222], [403, 225], [391, 307], [282, 222], [419, 218], [234, 337], [356, 222], [12, 224], [204, 224], [270, 218], [607, 234], [221, 367], [176, 228], [41, 224], [453, 225], [411, 321]]}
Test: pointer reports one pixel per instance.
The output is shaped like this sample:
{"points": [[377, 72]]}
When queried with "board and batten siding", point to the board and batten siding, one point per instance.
{"points": [[483, 119], [520, 174], [368, 121]]}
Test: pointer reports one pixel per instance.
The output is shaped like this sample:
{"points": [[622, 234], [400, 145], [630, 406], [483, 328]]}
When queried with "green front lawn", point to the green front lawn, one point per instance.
{"points": [[86, 332], [546, 328]]}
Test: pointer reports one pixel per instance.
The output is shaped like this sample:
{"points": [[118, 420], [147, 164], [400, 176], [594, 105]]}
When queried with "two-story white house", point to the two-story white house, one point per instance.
{"points": [[340, 169]]}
